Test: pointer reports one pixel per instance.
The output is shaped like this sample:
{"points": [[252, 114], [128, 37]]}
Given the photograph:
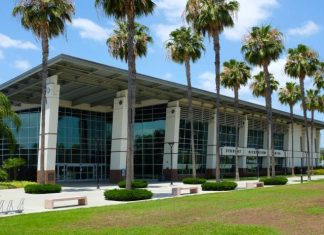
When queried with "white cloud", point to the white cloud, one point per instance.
{"points": [[7, 42], [167, 76], [251, 13], [308, 29], [173, 10], [90, 30], [22, 64], [1, 55], [163, 31]]}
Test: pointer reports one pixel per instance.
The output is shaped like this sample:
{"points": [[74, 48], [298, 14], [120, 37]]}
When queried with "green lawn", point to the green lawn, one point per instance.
{"points": [[296, 209], [14, 184]]}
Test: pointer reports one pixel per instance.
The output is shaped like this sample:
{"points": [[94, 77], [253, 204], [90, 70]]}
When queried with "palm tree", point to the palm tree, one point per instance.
{"points": [[46, 19], [128, 10], [302, 61], [235, 75], [211, 17], [262, 46], [312, 101], [117, 42], [185, 46], [290, 95], [7, 114]]}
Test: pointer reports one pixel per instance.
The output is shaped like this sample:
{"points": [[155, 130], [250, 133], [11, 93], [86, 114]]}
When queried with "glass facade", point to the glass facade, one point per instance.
{"points": [[227, 135], [27, 142], [83, 144], [149, 141], [184, 151], [255, 139], [278, 141], [227, 164]]}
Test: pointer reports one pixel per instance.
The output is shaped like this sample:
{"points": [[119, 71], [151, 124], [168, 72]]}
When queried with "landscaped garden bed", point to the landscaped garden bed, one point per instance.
{"points": [[219, 186], [135, 184], [278, 180], [42, 188], [128, 194]]}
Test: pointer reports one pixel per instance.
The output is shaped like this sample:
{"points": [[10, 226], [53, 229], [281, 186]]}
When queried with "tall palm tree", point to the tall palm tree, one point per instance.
{"points": [[117, 42], [313, 103], [183, 47], [262, 46], [302, 61], [128, 10], [258, 85], [290, 95], [211, 17], [7, 114], [46, 19], [235, 75]]}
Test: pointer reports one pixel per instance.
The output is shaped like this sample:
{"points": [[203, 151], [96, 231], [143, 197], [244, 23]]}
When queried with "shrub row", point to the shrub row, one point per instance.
{"points": [[127, 195], [318, 172], [194, 180], [42, 189], [278, 180], [135, 184], [219, 186]]}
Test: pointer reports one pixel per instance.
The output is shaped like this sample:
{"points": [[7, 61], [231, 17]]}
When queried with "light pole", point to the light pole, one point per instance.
{"points": [[171, 161]]}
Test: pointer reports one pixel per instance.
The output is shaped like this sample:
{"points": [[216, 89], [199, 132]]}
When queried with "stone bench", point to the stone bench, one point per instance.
{"points": [[254, 184], [176, 191], [49, 203]]}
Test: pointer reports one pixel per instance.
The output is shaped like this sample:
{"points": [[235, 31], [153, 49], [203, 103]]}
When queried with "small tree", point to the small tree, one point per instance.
{"points": [[13, 164]]}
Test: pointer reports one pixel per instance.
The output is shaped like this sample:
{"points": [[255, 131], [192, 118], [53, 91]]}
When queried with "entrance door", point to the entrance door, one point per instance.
{"points": [[76, 172]]}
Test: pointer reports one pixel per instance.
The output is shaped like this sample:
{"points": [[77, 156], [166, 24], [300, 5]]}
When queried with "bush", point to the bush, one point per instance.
{"points": [[14, 184], [194, 180], [279, 180], [127, 195], [42, 189], [219, 186], [318, 172], [3, 175], [135, 184]]}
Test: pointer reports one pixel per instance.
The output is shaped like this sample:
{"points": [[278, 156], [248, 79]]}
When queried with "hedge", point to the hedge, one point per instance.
{"points": [[278, 180], [128, 195], [318, 172], [42, 189], [135, 184], [219, 186], [194, 180]]}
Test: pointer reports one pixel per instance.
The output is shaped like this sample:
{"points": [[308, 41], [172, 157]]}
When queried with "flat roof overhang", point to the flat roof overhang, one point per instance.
{"points": [[96, 84]]}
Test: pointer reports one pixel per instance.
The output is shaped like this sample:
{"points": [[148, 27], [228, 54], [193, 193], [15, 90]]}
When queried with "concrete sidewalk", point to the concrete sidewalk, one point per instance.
{"points": [[35, 203]]}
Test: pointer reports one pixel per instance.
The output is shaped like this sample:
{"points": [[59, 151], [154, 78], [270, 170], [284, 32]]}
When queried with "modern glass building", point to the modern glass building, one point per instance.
{"points": [[86, 131]]}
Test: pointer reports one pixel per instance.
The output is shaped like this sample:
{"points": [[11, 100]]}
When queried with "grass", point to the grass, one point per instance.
{"points": [[293, 209], [14, 184]]}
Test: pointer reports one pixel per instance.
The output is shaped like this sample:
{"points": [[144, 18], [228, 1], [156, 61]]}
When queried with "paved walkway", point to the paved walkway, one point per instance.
{"points": [[35, 203]]}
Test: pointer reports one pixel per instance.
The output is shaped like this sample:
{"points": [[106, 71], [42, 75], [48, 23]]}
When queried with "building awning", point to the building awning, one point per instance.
{"points": [[84, 81]]}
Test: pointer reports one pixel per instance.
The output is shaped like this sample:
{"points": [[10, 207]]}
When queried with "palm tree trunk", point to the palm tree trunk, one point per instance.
{"points": [[312, 140], [292, 140], [237, 174], [302, 89], [217, 81], [191, 119], [131, 96], [45, 52], [269, 120]]}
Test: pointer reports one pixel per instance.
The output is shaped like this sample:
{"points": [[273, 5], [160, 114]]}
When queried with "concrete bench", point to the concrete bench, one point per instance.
{"points": [[49, 203], [176, 191], [254, 184]]}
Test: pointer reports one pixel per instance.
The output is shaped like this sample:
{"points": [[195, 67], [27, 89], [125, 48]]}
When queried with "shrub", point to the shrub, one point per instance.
{"points": [[135, 184], [42, 189], [279, 180], [318, 172], [3, 175], [219, 186], [127, 195], [194, 180]]}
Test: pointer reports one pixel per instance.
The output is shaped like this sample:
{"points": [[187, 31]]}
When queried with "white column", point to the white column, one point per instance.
{"points": [[51, 122], [211, 149], [119, 137], [172, 126]]}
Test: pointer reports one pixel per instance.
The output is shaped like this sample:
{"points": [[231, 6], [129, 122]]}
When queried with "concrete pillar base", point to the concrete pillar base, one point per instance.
{"points": [[116, 176], [49, 177]]}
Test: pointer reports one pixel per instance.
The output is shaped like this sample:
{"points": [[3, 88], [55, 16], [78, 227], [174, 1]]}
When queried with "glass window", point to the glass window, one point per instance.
{"points": [[227, 135], [255, 139], [278, 141]]}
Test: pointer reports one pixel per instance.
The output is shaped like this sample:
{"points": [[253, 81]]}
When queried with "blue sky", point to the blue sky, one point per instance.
{"points": [[301, 22]]}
